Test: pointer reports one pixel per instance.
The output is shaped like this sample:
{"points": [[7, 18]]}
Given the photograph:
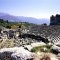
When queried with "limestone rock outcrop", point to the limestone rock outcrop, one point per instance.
{"points": [[16, 53]]}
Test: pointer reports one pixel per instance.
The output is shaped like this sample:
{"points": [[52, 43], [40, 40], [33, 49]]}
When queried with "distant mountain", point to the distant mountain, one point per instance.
{"points": [[8, 17], [12, 18], [34, 20]]}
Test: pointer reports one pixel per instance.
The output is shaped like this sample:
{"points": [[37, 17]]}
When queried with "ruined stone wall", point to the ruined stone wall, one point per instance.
{"points": [[55, 20]]}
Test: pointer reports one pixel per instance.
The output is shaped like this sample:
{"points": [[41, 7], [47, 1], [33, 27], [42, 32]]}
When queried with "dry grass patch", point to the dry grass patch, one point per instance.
{"points": [[6, 44], [45, 56]]}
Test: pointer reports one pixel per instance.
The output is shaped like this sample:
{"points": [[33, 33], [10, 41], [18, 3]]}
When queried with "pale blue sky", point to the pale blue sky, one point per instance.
{"points": [[30, 8]]}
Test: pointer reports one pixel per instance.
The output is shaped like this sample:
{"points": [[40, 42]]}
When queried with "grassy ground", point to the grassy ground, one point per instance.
{"points": [[44, 48]]}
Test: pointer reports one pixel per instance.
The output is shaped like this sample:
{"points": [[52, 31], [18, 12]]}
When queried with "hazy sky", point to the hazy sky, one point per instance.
{"points": [[30, 8]]}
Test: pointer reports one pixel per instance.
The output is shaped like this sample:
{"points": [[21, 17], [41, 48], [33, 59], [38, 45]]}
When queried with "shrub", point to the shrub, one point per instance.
{"points": [[33, 50]]}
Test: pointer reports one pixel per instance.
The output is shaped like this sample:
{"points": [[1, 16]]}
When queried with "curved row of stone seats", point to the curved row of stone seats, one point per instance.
{"points": [[50, 32]]}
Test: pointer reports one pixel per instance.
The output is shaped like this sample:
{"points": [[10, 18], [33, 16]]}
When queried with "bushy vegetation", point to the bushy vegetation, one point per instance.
{"points": [[8, 24], [44, 48], [14, 25]]}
